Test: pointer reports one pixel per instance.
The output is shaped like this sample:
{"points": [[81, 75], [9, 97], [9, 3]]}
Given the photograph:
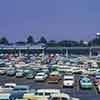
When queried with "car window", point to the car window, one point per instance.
{"points": [[9, 86], [88, 81], [63, 98], [23, 89], [68, 79], [47, 93], [98, 78], [84, 81], [55, 98], [4, 99], [40, 94], [18, 89]]}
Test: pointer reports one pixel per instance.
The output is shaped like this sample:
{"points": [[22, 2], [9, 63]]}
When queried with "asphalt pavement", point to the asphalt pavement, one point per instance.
{"points": [[83, 94]]}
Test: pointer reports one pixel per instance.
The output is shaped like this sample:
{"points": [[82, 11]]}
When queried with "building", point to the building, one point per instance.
{"points": [[98, 35]]}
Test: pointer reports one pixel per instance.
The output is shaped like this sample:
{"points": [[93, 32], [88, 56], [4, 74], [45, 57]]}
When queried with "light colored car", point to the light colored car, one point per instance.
{"points": [[9, 85], [3, 69], [85, 83], [82, 76], [62, 96], [48, 94], [4, 96], [64, 69], [41, 76], [19, 73], [68, 80], [11, 72], [98, 88], [92, 70], [76, 70]]}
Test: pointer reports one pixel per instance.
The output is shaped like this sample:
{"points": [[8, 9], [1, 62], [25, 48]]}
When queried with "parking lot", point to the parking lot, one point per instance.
{"points": [[76, 91], [37, 71]]}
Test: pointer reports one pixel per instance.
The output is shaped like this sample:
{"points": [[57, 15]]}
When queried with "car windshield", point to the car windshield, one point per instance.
{"points": [[57, 98], [9, 86], [4, 99], [86, 81], [68, 79], [20, 89], [40, 74], [98, 78]]}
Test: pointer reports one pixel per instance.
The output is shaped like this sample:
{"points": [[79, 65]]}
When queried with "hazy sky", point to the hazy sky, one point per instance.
{"points": [[54, 19]]}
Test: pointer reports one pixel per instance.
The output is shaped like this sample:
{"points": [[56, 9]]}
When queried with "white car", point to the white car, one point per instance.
{"points": [[76, 70], [68, 81], [19, 72], [9, 85], [4, 96], [62, 96], [40, 76], [98, 88]]}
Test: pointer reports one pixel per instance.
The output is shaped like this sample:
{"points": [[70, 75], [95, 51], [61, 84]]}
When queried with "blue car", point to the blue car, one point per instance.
{"points": [[19, 91], [85, 83]]}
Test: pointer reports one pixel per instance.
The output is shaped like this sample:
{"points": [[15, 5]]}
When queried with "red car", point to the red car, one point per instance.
{"points": [[97, 80]]}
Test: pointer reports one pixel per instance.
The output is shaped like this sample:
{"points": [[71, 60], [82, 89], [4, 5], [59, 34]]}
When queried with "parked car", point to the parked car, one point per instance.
{"points": [[54, 77], [41, 76], [40, 93], [68, 81], [19, 73], [19, 91], [92, 70], [98, 88], [3, 71], [30, 75], [85, 83], [47, 96], [97, 80], [11, 72], [9, 85], [4, 96], [76, 70], [62, 96], [82, 76], [45, 70]]}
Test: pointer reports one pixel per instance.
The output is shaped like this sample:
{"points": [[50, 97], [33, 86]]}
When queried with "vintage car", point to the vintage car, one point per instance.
{"points": [[85, 83]]}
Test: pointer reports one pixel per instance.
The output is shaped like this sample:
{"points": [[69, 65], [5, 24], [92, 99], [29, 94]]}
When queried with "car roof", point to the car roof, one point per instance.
{"points": [[97, 76], [85, 78], [68, 76], [61, 95], [54, 73], [7, 84], [42, 73], [21, 86], [48, 90]]}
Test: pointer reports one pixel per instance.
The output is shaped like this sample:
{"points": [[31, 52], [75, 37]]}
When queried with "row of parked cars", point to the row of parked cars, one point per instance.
{"points": [[11, 91], [86, 82]]}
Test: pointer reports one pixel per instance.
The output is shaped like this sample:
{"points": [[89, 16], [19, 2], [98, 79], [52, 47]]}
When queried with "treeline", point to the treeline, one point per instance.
{"points": [[52, 43]]}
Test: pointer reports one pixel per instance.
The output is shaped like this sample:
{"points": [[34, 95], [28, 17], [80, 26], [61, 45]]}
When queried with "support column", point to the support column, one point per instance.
{"points": [[67, 53], [43, 51], [90, 52], [19, 52]]}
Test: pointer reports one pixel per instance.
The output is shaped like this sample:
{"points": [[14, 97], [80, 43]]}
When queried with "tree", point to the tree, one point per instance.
{"points": [[95, 42], [43, 40], [30, 40], [52, 41], [81, 43], [3, 40], [68, 43]]}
